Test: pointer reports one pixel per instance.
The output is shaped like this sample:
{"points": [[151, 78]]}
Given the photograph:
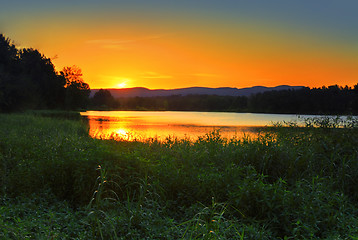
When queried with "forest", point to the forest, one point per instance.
{"points": [[28, 80], [324, 100]]}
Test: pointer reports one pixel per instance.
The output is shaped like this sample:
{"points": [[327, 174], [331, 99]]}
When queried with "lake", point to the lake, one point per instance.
{"points": [[141, 125]]}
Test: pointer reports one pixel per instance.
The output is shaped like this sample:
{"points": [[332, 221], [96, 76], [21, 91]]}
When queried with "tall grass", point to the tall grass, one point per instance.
{"points": [[289, 183], [41, 154]]}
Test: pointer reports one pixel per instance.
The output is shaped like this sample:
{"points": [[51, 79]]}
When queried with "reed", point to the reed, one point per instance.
{"points": [[291, 182]]}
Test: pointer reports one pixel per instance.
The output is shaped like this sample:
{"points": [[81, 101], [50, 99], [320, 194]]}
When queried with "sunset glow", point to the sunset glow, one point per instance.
{"points": [[122, 84], [176, 45], [134, 125]]}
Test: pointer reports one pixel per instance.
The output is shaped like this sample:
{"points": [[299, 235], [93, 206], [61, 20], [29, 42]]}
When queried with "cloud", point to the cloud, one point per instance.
{"points": [[152, 75]]}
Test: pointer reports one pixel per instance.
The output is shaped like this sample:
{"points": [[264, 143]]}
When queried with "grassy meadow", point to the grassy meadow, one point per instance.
{"points": [[290, 183]]}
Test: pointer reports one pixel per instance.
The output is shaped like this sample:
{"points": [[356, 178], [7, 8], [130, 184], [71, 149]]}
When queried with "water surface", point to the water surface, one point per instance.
{"points": [[141, 125]]}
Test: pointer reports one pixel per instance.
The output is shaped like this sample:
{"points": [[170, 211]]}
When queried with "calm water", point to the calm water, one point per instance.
{"points": [[141, 125]]}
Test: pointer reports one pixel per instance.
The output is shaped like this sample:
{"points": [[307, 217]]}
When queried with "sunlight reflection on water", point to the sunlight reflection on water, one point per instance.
{"points": [[142, 125]]}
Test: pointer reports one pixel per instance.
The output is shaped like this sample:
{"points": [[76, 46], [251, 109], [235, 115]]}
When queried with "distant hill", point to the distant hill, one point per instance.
{"points": [[224, 91]]}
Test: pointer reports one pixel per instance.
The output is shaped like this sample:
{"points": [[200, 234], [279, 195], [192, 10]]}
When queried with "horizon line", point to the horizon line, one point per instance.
{"points": [[111, 88]]}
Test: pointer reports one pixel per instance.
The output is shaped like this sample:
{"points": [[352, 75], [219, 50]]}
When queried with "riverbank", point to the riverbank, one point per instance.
{"points": [[57, 182]]}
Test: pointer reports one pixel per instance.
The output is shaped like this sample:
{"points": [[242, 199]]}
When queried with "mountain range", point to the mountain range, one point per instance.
{"points": [[223, 91]]}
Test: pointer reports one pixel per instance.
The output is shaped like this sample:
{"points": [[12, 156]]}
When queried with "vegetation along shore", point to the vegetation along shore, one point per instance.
{"points": [[290, 183], [207, 120]]}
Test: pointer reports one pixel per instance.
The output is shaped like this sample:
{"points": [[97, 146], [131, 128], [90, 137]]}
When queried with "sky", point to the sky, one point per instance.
{"points": [[165, 44]]}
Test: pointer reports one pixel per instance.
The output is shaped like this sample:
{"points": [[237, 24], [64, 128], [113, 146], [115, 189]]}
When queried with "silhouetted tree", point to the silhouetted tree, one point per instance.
{"points": [[355, 99], [325, 100], [28, 80], [77, 91], [42, 86], [8, 71], [104, 98]]}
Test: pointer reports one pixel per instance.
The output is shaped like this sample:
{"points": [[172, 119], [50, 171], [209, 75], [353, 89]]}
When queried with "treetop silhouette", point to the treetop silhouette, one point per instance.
{"points": [[28, 80]]}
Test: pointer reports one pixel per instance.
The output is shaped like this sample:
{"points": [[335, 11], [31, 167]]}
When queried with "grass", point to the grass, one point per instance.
{"points": [[292, 182]]}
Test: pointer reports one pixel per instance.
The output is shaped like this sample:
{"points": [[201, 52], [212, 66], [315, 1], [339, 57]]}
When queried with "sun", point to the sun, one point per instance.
{"points": [[123, 83]]}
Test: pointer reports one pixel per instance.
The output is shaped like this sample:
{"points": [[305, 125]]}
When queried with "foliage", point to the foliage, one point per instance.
{"points": [[325, 100], [28, 80], [41, 218], [104, 99], [57, 114], [41, 151], [77, 91], [185, 103], [289, 183]]}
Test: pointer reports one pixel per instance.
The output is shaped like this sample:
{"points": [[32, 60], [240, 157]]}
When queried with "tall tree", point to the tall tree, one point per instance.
{"points": [[40, 80], [104, 98], [77, 91], [28, 79], [8, 71]]}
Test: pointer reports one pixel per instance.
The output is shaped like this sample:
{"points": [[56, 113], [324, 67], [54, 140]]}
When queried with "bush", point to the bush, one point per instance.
{"points": [[290, 182]]}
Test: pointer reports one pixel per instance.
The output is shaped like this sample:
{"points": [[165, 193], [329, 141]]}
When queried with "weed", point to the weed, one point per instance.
{"points": [[291, 182]]}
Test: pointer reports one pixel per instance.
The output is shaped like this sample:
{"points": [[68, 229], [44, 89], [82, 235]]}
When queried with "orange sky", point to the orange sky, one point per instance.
{"points": [[172, 50]]}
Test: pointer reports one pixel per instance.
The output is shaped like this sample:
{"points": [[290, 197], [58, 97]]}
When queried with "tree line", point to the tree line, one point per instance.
{"points": [[28, 80], [324, 100]]}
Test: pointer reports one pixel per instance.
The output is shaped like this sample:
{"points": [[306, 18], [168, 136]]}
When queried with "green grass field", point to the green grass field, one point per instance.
{"points": [[291, 183]]}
